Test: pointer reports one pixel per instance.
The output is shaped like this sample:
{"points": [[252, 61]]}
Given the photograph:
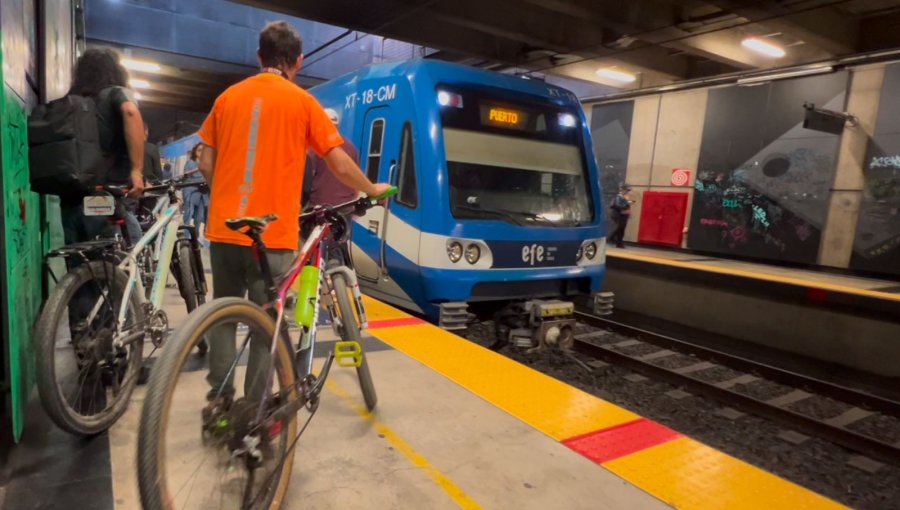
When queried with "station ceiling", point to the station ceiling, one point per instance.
{"points": [[656, 41]]}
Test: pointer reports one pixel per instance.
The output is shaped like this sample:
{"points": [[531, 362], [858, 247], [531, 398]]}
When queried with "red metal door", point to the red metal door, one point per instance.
{"points": [[662, 217]]}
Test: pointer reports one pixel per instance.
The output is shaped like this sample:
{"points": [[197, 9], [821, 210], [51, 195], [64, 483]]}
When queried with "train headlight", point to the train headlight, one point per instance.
{"points": [[449, 99], [473, 253], [590, 250], [566, 120], [454, 252], [579, 254]]}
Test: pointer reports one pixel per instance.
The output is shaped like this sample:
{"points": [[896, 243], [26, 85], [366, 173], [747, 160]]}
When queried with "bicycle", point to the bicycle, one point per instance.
{"points": [[247, 444], [91, 330], [193, 291]]}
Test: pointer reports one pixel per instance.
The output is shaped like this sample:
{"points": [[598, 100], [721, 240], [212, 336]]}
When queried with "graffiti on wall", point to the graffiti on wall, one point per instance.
{"points": [[876, 246], [763, 181]]}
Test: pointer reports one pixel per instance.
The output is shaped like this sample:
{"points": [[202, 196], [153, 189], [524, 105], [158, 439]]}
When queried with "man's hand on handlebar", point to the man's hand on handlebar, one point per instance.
{"points": [[379, 189]]}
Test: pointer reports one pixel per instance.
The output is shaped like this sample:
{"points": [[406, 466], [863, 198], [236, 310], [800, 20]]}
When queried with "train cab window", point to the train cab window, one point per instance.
{"points": [[373, 161], [407, 193]]}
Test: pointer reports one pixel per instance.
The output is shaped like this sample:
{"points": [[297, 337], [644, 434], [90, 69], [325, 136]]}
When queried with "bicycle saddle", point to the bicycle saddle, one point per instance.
{"points": [[251, 223]]}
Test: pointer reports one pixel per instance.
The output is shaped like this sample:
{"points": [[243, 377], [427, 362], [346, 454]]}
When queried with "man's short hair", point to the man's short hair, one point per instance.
{"points": [[279, 45]]}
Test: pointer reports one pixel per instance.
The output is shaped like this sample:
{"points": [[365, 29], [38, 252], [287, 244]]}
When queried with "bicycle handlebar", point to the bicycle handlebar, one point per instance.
{"points": [[359, 205], [172, 184]]}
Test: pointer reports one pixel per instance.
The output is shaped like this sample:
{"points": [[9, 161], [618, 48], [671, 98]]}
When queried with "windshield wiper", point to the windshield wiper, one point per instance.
{"points": [[537, 217], [496, 212]]}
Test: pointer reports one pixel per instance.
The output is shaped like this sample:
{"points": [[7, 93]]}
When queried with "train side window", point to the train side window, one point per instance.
{"points": [[407, 193], [376, 137]]}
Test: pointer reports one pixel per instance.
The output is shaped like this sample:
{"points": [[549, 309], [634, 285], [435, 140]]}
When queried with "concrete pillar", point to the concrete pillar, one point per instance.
{"points": [[666, 134], [640, 155], [839, 233]]}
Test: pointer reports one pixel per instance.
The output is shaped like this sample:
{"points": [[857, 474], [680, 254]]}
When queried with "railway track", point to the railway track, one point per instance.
{"points": [[650, 348]]}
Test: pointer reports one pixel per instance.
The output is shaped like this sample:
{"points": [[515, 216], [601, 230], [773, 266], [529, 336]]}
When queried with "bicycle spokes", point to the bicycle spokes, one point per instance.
{"points": [[221, 451]]}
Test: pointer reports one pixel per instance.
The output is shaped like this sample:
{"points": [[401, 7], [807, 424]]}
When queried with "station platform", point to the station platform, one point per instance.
{"points": [[797, 317], [457, 426], [862, 287]]}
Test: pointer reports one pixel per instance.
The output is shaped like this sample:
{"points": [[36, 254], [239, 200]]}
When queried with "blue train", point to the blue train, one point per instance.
{"points": [[499, 197]]}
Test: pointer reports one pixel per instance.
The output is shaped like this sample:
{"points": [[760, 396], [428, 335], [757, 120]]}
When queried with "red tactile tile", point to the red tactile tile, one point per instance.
{"points": [[620, 440], [393, 323]]}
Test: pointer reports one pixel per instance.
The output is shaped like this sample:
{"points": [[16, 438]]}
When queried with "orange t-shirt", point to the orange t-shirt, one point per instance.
{"points": [[261, 128]]}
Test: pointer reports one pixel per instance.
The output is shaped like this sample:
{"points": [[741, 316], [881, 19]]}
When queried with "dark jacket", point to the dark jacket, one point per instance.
{"points": [[152, 166]]}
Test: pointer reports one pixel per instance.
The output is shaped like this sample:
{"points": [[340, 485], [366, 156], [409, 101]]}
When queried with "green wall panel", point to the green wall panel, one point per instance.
{"points": [[20, 294]]}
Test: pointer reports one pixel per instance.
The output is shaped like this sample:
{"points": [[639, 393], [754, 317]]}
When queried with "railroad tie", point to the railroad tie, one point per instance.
{"points": [[627, 343], [656, 355], [741, 379], [592, 334], [788, 398], [849, 416], [696, 367]]}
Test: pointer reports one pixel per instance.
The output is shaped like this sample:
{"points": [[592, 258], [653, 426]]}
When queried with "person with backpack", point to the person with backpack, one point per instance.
{"points": [[621, 213], [93, 136]]}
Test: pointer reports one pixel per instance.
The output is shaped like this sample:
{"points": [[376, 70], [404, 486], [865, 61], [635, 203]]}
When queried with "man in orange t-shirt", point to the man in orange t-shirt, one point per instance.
{"points": [[256, 139]]}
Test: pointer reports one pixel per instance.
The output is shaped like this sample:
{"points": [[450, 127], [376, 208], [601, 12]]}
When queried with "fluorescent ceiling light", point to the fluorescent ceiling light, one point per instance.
{"points": [[139, 84], [787, 74], [612, 74], [140, 65], [766, 48]]}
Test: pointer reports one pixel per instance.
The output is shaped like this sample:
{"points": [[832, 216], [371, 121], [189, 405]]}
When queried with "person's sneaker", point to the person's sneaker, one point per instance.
{"points": [[214, 417]]}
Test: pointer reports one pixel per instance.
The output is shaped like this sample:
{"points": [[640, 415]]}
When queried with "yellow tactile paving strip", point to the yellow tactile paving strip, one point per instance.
{"points": [[548, 405], [683, 472], [799, 282], [691, 475]]}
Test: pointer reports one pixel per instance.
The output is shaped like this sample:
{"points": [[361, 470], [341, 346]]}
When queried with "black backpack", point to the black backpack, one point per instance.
{"points": [[65, 155]]}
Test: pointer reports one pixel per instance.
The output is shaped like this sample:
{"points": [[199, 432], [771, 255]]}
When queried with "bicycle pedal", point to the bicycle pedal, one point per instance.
{"points": [[348, 354]]}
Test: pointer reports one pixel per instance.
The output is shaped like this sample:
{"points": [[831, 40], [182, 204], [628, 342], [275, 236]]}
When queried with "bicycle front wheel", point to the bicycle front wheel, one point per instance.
{"points": [[212, 438], [350, 331], [183, 266]]}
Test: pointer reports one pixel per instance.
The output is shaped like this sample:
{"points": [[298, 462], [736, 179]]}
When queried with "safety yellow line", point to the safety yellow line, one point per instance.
{"points": [[417, 459], [760, 276]]}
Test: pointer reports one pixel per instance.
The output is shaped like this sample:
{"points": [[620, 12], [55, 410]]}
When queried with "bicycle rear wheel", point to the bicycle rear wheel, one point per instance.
{"points": [[350, 331], [84, 380], [203, 445]]}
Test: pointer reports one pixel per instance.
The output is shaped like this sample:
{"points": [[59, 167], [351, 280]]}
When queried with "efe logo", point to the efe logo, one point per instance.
{"points": [[532, 254]]}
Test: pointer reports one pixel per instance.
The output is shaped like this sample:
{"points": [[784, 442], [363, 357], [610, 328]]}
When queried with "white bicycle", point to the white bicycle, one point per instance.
{"points": [[91, 331]]}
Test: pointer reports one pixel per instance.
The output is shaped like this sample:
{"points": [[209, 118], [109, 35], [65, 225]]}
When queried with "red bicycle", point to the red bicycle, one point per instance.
{"points": [[232, 450]]}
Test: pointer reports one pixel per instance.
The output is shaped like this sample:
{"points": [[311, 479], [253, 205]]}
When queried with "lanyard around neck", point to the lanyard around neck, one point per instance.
{"points": [[274, 70]]}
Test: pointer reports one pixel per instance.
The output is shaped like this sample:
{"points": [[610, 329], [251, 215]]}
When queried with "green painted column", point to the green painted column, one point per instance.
{"points": [[20, 256]]}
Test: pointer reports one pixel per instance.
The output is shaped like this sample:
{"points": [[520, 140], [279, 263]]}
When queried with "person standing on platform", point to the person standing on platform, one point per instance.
{"points": [[255, 141], [152, 166], [324, 186], [99, 75], [621, 213], [191, 194]]}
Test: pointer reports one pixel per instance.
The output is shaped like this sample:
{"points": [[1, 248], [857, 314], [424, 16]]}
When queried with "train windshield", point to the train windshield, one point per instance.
{"points": [[519, 163]]}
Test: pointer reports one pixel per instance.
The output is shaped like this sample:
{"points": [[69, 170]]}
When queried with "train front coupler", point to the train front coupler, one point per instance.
{"points": [[538, 324]]}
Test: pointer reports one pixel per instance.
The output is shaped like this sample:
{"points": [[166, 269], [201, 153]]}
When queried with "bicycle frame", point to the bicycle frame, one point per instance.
{"points": [[167, 224], [310, 253]]}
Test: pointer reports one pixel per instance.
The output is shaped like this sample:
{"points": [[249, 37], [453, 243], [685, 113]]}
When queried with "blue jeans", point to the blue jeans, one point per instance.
{"points": [[195, 204]]}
